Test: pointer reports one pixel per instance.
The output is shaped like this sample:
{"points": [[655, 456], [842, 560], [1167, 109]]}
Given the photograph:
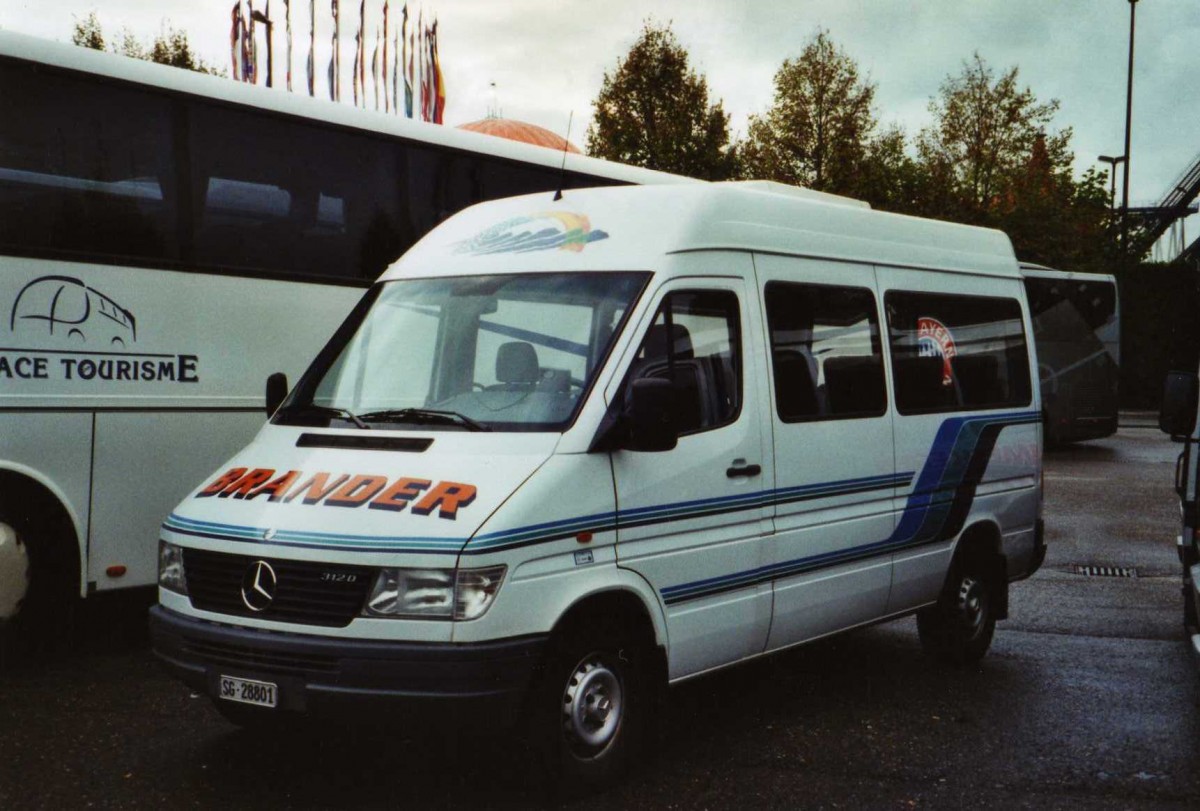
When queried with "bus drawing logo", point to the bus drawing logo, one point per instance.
{"points": [[65, 308], [934, 340]]}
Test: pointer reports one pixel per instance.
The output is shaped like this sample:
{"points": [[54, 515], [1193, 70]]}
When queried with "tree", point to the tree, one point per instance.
{"points": [[984, 132], [817, 132], [654, 111], [87, 33], [170, 47], [990, 158]]}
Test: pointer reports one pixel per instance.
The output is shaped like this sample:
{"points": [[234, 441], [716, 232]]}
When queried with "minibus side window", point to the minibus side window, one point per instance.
{"points": [[957, 352], [703, 356], [826, 353]]}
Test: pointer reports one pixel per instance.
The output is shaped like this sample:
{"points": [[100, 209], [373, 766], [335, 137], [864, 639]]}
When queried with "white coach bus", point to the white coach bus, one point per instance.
{"points": [[1077, 332], [167, 240]]}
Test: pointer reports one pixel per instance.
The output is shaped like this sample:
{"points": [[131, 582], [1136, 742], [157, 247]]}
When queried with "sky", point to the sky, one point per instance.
{"points": [[547, 58]]}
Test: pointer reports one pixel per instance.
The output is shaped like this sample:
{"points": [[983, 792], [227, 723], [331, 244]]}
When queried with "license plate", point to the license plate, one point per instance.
{"points": [[248, 691]]}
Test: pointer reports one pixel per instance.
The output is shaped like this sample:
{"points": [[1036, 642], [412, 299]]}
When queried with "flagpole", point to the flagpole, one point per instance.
{"points": [[387, 108]]}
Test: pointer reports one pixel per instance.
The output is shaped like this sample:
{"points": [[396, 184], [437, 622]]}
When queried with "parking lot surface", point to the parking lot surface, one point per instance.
{"points": [[1088, 698]]}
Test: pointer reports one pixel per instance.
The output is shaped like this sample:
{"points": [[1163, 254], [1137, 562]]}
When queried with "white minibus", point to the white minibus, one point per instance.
{"points": [[567, 452]]}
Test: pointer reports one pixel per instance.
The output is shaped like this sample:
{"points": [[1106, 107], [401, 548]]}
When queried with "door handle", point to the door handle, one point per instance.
{"points": [[741, 469]]}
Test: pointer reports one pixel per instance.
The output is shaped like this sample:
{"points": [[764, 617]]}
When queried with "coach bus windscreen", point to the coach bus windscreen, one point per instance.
{"points": [[503, 352]]}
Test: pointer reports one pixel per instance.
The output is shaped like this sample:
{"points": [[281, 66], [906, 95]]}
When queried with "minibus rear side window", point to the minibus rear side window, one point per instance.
{"points": [[825, 352], [957, 352]]}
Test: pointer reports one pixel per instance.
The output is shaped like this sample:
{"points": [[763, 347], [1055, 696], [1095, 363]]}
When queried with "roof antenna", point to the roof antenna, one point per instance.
{"points": [[562, 170]]}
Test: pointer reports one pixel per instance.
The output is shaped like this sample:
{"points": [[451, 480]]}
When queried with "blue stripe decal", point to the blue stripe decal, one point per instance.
{"points": [[924, 515], [926, 512]]}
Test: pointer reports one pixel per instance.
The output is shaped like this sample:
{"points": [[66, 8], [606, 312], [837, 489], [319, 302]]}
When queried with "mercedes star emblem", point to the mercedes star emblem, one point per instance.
{"points": [[258, 586]]}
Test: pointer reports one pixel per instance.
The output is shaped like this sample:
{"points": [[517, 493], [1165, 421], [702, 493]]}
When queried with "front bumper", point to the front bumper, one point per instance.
{"points": [[350, 678]]}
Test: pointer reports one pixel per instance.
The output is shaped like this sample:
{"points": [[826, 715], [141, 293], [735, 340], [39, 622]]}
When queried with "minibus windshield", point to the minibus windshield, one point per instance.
{"points": [[495, 353]]}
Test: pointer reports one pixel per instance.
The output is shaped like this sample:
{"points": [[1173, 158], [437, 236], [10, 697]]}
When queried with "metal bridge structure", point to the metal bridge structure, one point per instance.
{"points": [[1176, 204]]}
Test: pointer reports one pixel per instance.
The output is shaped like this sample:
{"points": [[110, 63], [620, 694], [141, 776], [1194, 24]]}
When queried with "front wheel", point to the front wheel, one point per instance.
{"points": [[959, 628], [589, 710]]}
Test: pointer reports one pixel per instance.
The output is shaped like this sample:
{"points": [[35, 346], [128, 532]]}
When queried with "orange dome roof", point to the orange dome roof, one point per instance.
{"points": [[520, 131]]}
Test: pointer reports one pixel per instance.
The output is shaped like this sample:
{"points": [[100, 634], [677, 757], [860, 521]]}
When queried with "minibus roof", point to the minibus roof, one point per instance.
{"points": [[633, 227]]}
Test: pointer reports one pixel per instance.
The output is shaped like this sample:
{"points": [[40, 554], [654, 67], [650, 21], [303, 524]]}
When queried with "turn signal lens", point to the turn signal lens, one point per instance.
{"points": [[476, 590]]}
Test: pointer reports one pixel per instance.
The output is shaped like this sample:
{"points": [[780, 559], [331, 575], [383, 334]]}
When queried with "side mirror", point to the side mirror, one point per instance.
{"points": [[653, 415], [277, 390], [1177, 416]]}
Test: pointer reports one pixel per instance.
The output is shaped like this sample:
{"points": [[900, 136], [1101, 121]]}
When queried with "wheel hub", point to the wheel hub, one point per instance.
{"points": [[14, 572], [972, 604], [592, 705]]}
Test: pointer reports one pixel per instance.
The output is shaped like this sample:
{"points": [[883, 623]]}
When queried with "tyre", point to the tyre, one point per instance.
{"points": [[959, 628], [39, 581], [590, 709]]}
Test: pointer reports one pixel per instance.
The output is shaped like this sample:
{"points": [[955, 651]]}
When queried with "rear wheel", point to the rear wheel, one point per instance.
{"points": [[959, 628]]}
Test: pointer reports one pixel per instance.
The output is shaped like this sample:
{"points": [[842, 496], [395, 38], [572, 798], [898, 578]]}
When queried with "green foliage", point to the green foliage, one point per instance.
{"points": [[654, 111], [984, 135], [170, 47], [87, 33], [817, 133]]}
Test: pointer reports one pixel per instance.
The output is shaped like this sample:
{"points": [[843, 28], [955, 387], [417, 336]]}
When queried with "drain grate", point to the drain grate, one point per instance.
{"points": [[1106, 571]]}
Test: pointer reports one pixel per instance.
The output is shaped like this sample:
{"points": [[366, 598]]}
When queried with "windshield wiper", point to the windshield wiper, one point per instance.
{"points": [[427, 415], [312, 408]]}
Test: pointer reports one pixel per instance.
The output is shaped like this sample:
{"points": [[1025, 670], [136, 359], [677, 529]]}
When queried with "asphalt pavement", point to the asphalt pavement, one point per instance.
{"points": [[1088, 699]]}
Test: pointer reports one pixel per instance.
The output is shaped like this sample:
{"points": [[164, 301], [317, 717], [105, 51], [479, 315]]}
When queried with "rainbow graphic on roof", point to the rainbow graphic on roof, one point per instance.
{"points": [[547, 231]]}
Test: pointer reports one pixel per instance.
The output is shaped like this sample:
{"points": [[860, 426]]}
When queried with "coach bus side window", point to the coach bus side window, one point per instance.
{"points": [[86, 168], [825, 352], [291, 198], [957, 352]]}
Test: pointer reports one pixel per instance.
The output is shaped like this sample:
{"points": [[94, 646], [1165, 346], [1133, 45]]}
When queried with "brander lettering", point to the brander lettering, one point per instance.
{"points": [[348, 490]]}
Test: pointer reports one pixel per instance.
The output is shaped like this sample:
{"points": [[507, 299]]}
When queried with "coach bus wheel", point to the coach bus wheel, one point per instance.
{"points": [[38, 582], [589, 709], [959, 628]]}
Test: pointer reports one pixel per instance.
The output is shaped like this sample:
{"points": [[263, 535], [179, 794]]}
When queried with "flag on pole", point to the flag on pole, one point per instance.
{"points": [[375, 70], [408, 67], [235, 36], [354, 67], [335, 56], [287, 19], [387, 101], [264, 17], [395, 71], [250, 69], [424, 62], [312, 47], [362, 58], [439, 81]]}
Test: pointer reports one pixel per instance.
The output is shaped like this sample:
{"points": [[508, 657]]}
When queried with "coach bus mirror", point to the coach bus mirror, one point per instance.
{"points": [[653, 420], [1178, 414], [277, 390]]}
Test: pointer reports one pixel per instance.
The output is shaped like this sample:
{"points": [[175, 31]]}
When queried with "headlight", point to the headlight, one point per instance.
{"points": [[170, 568], [463, 594]]}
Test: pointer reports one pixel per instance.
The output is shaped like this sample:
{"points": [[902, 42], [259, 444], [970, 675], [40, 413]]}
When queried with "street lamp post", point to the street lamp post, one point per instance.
{"points": [[1128, 121], [1112, 174]]}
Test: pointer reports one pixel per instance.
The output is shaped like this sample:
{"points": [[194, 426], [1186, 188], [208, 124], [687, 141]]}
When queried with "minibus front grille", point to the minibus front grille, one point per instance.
{"points": [[306, 592], [221, 653]]}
